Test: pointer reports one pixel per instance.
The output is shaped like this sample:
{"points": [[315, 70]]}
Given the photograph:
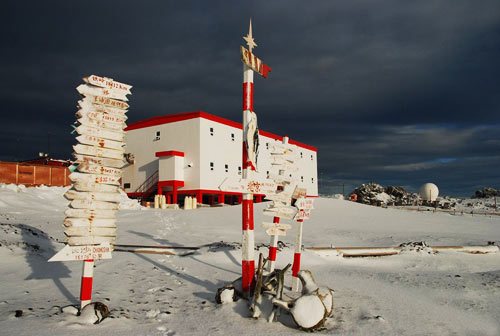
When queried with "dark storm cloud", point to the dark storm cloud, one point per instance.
{"points": [[399, 92]]}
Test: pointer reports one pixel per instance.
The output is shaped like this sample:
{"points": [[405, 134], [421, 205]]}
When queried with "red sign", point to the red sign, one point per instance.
{"points": [[254, 62]]}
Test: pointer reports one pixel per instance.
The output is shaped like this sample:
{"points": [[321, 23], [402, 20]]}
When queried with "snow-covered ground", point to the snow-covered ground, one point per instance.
{"points": [[413, 293]]}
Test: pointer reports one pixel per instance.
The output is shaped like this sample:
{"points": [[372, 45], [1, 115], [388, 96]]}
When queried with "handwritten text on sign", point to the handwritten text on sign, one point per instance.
{"points": [[85, 252]]}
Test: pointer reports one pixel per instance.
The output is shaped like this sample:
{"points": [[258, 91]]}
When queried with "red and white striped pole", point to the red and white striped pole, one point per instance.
{"points": [[247, 262], [273, 249], [87, 279], [296, 257]]}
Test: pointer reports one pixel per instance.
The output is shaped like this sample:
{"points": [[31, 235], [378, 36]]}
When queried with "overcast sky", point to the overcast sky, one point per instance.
{"points": [[397, 92]]}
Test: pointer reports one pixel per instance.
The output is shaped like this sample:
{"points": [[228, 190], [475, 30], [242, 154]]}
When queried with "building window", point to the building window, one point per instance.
{"points": [[211, 131], [239, 170], [157, 137], [211, 166], [226, 167], [290, 175], [311, 157], [126, 186], [301, 155], [312, 179], [267, 174], [232, 136], [302, 179], [267, 145]]}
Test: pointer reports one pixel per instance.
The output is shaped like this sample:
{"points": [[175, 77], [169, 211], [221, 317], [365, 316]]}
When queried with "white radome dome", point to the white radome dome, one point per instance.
{"points": [[429, 192]]}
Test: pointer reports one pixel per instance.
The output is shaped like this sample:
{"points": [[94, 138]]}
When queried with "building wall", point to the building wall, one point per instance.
{"points": [[218, 147], [143, 144], [33, 175], [206, 140]]}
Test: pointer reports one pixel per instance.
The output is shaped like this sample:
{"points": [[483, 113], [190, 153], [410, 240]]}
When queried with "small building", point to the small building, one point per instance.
{"points": [[191, 154]]}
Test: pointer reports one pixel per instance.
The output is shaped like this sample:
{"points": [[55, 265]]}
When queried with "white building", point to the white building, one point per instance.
{"points": [[191, 154]]}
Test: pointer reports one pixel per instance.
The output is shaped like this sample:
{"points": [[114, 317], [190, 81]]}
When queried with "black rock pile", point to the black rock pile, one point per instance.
{"points": [[376, 194], [486, 193]]}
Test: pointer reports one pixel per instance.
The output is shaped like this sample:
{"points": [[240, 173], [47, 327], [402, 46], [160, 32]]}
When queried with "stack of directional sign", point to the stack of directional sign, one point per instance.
{"points": [[91, 217], [288, 202], [283, 168]]}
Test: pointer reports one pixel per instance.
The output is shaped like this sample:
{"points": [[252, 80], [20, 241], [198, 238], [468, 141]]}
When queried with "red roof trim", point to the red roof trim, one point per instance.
{"points": [[204, 191], [167, 119], [169, 153]]}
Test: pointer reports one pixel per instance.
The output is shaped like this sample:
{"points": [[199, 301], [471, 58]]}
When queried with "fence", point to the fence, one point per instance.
{"points": [[33, 175]]}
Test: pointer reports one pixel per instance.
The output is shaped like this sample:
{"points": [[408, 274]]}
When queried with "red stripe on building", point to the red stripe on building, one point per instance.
{"points": [[169, 153]]}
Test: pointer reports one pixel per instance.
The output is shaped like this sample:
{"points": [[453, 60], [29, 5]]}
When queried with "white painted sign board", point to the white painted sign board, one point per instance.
{"points": [[94, 252], [107, 83], [275, 231], [282, 212], [281, 226], [90, 90], [249, 186], [304, 203]]}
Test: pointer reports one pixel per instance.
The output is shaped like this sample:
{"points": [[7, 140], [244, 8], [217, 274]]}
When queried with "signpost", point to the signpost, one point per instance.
{"points": [[304, 206], [282, 164], [254, 186], [250, 153], [90, 224], [81, 253]]}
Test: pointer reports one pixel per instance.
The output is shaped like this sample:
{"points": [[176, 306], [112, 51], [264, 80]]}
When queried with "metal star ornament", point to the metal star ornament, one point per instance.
{"points": [[249, 38]]}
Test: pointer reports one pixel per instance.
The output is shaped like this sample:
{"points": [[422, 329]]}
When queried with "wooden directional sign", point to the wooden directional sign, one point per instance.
{"points": [[101, 116], [282, 212], [89, 104], [281, 226], [276, 231], [90, 214], [93, 205], [110, 126], [94, 178], [98, 152], [91, 160], [107, 83], [81, 231], [92, 168], [254, 62], [253, 186], [302, 214], [89, 222], [100, 142], [299, 192], [282, 197], [109, 102], [303, 203], [99, 131], [94, 252], [92, 196], [281, 179], [93, 186], [90, 90], [90, 240]]}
